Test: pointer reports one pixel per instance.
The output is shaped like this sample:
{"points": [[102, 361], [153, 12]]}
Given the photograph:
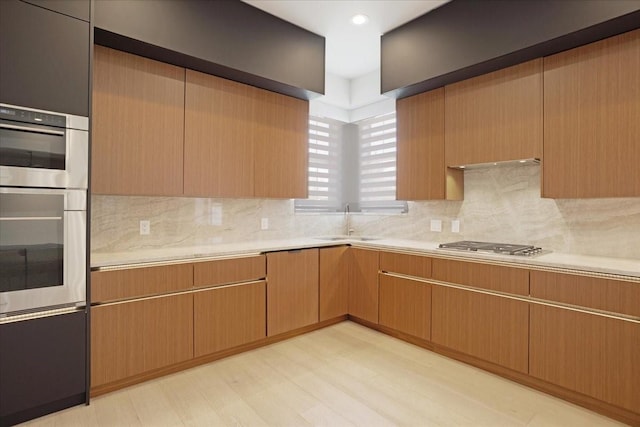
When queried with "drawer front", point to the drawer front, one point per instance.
{"points": [[594, 355], [140, 282], [229, 316], [411, 265], [134, 337], [592, 292], [226, 271], [405, 305], [486, 276], [488, 327]]}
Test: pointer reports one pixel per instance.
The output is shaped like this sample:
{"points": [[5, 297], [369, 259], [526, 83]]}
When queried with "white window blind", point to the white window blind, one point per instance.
{"points": [[324, 167], [377, 137]]}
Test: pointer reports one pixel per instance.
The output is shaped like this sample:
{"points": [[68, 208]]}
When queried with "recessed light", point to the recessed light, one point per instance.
{"points": [[360, 19]]}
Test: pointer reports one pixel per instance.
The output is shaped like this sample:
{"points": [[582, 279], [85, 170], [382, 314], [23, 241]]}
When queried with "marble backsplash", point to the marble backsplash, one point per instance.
{"points": [[501, 204]]}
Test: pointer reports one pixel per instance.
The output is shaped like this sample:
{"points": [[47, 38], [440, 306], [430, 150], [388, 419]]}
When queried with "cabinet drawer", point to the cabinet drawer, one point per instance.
{"points": [[486, 276], [140, 282], [229, 316], [488, 327], [594, 355], [405, 305], [134, 337], [226, 271], [602, 294], [411, 265]]}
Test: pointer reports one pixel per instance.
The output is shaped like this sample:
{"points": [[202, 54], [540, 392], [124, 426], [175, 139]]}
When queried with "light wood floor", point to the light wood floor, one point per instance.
{"points": [[343, 375]]}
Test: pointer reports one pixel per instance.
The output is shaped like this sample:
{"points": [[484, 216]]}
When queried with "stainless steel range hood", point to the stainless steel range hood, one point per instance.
{"points": [[473, 166]]}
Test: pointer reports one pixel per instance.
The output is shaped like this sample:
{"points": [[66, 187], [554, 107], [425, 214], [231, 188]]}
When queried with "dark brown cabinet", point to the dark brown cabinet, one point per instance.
{"points": [[44, 58]]}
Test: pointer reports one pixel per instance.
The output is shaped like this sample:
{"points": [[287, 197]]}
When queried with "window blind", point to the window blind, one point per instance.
{"points": [[324, 167], [377, 185]]}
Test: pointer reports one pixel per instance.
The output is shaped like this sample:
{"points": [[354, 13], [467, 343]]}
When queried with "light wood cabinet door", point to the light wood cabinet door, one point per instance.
{"points": [[594, 355], [488, 327], [132, 338], [499, 278], [616, 296], [292, 290], [495, 117], [130, 283], [405, 305], [218, 137], [334, 282], [591, 120], [228, 271], [410, 265], [363, 284], [420, 146], [281, 135], [137, 125], [229, 316]]}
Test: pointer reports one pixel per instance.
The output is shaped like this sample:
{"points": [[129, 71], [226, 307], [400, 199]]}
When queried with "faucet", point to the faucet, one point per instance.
{"points": [[348, 229]]}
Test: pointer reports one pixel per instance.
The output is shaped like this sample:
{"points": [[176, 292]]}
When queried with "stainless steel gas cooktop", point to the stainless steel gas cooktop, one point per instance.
{"points": [[498, 248]]}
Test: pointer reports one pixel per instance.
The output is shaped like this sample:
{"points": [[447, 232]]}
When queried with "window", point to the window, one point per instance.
{"points": [[352, 164], [324, 167], [377, 184]]}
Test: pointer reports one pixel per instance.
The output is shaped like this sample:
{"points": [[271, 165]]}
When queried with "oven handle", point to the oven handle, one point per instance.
{"points": [[30, 129], [30, 218]]}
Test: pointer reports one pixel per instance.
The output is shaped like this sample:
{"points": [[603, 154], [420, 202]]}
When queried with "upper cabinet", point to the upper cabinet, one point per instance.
{"points": [[138, 125], [495, 117], [44, 57], [281, 133], [218, 139], [155, 124], [420, 148], [592, 120]]}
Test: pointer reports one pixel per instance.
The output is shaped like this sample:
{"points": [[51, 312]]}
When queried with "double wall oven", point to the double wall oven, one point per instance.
{"points": [[43, 200]]}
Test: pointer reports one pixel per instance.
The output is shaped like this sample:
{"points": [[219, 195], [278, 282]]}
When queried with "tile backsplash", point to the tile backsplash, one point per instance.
{"points": [[501, 204]]}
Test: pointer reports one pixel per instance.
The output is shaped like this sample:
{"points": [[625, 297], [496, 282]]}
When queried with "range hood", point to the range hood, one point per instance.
{"points": [[473, 166]]}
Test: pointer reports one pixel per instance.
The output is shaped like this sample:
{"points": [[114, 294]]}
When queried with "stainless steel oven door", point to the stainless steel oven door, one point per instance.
{"points": [[42, 249], [43, 149]]}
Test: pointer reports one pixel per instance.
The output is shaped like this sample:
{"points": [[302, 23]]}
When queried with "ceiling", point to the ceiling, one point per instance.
{"points": [[351, 51]]}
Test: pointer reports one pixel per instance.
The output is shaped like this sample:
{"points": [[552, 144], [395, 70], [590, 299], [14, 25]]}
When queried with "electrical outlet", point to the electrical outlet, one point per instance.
{"points": [[455, 226], [436, 225], [145, 227], [264, 224]]}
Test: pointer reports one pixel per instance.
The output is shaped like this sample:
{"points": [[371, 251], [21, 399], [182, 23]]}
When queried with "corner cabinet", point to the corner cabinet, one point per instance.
{"points": [[334, 282], [591, 117], [495, 117], [137, 126], [421, 172], [363, 284]]}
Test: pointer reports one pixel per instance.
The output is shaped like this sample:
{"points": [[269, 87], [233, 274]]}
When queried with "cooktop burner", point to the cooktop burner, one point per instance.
{"points": [[498, 248]]}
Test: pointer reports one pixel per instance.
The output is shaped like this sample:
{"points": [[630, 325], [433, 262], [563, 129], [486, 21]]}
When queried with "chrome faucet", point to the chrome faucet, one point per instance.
{"points": [[347, 214]]}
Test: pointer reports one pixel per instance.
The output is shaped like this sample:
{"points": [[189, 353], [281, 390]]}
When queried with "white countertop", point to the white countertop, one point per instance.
{"points": [[617, 266]]}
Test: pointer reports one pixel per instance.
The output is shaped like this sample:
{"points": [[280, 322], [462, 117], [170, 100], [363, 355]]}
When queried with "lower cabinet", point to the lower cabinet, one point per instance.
{"points": [[594, 355], [292, 290], [229, 316], [334, 282], [135, 337], [405, 305], [492, 328], [363, 284]]}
